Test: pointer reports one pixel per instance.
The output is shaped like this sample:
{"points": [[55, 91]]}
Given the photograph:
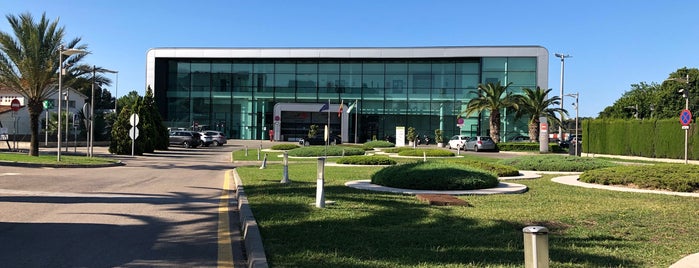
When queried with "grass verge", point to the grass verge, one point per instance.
{"points": [[50, 159], [588, 227]]}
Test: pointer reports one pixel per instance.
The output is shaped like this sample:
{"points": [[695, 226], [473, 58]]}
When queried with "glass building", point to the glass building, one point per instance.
{"points": [[246, 92]]}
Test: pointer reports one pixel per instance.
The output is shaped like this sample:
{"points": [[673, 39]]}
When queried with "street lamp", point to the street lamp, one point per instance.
{"points": [[92, 108], [62, 51], [685, 94], [563, 57], [577, 135]]}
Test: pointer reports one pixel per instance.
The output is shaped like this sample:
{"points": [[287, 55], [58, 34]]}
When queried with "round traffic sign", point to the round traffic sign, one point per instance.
{"points": [[685, 117], [15, 105], [133, 120], [460, 121], [133, 133]]}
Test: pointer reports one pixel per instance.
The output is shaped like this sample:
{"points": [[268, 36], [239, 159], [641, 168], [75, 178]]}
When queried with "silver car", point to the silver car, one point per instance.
{"points": [[211, 137], [480, 143]]}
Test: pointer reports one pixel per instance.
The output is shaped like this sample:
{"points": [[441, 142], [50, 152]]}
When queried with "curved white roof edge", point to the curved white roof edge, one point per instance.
{"points": [[541, 53]]}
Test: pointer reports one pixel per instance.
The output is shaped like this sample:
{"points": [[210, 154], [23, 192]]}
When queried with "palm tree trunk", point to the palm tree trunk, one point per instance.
{"points": [[35, 109], [495, 125], [534, 130]]}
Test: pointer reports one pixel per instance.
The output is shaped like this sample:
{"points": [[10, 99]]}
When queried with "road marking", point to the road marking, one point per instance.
{"points": [[9, 174], [225, 250]]}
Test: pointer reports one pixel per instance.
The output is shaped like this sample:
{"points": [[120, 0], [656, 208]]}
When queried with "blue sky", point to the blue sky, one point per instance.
{"points": [[613, 44]]}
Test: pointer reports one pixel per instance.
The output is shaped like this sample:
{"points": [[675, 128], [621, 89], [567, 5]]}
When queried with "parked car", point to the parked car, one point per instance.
{"points": [[520, 138], [319, 140], [568, 141], [209, 137], [185, 138], [480, 143], [457, 142]]}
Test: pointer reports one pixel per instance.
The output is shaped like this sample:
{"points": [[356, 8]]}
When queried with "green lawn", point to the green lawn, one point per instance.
{"points": [[589, 227], [51, 159]]}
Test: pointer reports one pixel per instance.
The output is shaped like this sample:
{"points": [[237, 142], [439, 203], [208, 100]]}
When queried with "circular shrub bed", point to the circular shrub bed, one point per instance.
{"points": [[499, 170], [434, 176], [311, 151], [366, 160], [284, 147], [378, 144], [556, 163], [672, 177], [426, 152]]}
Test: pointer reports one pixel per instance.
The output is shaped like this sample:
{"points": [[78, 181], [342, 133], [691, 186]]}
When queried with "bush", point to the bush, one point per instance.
{"points": [[673, 177], [556, 163], [311, 151], [284, 147], [528, 147], [378, 144], [427, 152], [396, 150], [434, 176], [366, 160], [497, 169]]}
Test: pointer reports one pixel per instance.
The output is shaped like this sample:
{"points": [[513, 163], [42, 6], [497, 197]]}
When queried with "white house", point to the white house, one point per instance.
{"points": [[17, 123]]}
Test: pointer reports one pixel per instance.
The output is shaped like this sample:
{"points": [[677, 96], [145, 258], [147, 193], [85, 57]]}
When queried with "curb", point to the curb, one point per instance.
{"points": [[252, 240]]}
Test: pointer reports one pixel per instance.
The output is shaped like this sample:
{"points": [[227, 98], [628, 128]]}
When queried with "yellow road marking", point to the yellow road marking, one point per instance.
{"points": [[225, 250]]}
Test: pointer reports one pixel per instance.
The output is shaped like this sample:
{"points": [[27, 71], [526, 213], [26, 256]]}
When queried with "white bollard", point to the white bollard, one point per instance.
{"points": [[536, 247], [246, 150], [285, 175], [320, 192], [264, 163], [424, 156]]}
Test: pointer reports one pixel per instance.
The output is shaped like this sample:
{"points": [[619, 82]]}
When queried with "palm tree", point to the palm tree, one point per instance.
{"points": [[29, 63], [535, 103], [490, 98]]}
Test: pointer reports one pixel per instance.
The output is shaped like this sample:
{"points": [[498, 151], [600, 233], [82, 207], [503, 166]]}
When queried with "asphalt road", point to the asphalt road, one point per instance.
{"points": [[160, 210]]}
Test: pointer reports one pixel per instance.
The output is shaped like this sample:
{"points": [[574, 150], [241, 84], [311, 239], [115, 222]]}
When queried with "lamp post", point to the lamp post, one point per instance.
{"points": [[685, 94], [563, 57], [116, 91], [576, 105], [62, 51], [92, 108]]}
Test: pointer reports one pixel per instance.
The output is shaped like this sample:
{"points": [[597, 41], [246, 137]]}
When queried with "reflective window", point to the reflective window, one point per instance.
{"points": [[521, 64], [494, 64]]}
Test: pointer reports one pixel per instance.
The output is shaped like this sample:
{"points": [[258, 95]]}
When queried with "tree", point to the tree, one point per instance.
{"points": [[535, 103], [492, 97], [29, 63], [153, 135]]}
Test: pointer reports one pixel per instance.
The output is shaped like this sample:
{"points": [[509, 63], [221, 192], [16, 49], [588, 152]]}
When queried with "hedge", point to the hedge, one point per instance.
{"points": [[528, 146], [434, 176]]}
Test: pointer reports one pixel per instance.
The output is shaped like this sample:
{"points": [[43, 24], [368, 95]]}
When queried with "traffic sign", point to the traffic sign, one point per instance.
{"points": [[133, 133], [685, 117], [15, 105], [133, 120], [48, 104]]}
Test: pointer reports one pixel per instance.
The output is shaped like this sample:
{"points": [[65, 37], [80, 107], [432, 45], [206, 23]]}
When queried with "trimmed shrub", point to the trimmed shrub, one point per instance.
{"points": [[434, 176], [311, 151], [556, 163], [673, 177], [366, 160], [284, 147], [528, 147], [396, 150], [378, 144], [495, 168], [427, 152]]}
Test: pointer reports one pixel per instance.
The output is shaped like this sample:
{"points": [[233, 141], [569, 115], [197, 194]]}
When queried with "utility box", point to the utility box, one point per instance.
{"points": [[536, 247]]}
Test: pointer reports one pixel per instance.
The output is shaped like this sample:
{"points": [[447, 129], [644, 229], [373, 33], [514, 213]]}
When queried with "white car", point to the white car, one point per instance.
{"points": [[457, 142]]}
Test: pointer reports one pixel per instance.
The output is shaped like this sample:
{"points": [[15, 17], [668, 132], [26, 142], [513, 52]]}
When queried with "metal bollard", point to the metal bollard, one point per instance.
{"points": [[258, 154], [285, 175], [536, 247], [424, 156], [343, 152], [320, 192], [458, 150], [264, 163], [246, 150]]}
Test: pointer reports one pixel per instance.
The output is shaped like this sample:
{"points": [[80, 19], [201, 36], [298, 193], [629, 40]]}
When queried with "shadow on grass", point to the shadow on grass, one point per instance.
{"points": [[368, 229]]}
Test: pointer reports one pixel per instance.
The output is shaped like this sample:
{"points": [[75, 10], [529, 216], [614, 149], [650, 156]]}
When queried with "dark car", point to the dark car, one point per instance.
{"points": [[319, 140], [185, 138]]}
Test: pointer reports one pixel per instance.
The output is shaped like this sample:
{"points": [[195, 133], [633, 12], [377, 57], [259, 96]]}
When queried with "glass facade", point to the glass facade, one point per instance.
{"points": [[237, 96]]}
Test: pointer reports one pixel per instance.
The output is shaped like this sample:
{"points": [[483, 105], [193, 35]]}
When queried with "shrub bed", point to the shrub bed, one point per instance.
{"points": [[378, 144], [366, 160], [396, 149], [311, 151], [284, 147], [528, 147], [499, 170], [673, 177], [556, 163], [427, 152], [434, 176]]}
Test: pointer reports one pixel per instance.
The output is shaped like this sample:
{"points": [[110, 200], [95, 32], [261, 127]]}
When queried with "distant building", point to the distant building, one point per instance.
{"points": [[76, 100], [247, 91]]}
